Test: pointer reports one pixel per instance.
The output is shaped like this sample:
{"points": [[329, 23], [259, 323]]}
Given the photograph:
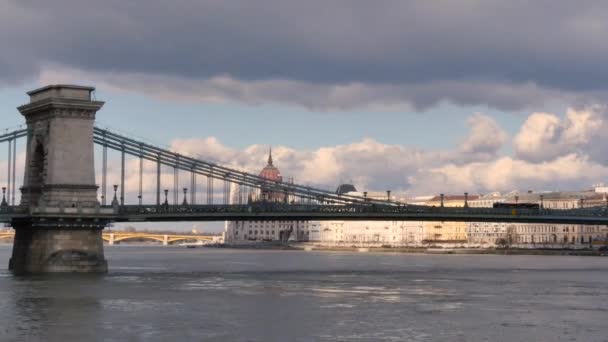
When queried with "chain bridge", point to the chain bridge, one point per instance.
{"points": [[62, 211]]}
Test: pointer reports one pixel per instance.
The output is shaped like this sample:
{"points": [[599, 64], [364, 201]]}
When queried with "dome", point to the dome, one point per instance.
{"points": [[345, 188], [270, 172]]}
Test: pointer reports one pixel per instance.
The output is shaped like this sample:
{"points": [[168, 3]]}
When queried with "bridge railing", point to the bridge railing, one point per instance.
{"points": [[355, 209]]}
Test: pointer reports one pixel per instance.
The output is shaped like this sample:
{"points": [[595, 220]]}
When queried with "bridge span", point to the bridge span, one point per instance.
{"points": [[116, 237], [166, 239], [320, 212]]}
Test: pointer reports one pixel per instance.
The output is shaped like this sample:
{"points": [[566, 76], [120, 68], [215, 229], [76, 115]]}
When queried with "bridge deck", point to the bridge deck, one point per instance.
{"points": [[287, 212]]}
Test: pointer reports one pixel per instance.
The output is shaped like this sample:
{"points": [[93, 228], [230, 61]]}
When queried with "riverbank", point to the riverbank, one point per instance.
{"points": [[420, 250]]}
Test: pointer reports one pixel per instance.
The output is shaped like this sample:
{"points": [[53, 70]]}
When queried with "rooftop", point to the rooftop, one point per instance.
{"points": [[66, 91]]}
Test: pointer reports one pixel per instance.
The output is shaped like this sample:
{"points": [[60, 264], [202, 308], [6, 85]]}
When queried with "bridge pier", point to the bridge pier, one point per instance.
{"points": [[59, 249], [165, 240], [62, 232]]}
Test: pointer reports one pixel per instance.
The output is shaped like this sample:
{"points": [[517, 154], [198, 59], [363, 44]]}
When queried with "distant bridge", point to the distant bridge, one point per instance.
{"points": [[166, 239], [115, 237], [7, 235]]}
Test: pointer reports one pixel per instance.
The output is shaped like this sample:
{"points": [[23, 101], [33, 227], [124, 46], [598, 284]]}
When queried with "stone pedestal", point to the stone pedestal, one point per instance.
{"points": [[57, 250]]}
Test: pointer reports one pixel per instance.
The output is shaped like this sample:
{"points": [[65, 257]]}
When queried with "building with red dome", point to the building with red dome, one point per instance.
{"points": [[245, 232], [271, 173]]}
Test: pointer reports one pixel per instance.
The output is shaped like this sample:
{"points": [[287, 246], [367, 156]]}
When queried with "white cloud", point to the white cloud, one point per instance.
{"points": [[476, 165], [485, 138], [571, 171], [545, 136]]}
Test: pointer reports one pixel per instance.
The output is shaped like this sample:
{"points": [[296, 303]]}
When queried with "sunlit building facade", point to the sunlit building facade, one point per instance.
{"points": [[238, 232], [539, 235]]}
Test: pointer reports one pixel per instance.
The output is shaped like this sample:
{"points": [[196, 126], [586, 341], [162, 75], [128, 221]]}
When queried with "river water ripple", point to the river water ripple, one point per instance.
{"points": [[177, 294]]}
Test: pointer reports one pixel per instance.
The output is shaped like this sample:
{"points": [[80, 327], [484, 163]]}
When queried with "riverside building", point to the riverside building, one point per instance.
{"points": [[368, 233], [473, 234], [265, 231], [539, 235]]}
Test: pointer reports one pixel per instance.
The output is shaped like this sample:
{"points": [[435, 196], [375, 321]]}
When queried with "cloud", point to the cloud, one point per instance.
{"points": [[317, 54], [476, 165], [313, 96], [374, 166], [545, 136], [485, 139], [571, 171]]}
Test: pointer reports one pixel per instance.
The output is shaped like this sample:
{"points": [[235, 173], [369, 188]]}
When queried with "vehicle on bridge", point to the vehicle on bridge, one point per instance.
{"points": [[516, 205]]}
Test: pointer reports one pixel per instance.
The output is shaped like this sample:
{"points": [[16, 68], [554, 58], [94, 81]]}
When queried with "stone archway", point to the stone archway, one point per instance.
{"points": [[35, 174], [37, 166]]}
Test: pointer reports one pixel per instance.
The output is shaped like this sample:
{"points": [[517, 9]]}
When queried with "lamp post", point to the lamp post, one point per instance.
{"points": [[4, 203], [115, 199]]}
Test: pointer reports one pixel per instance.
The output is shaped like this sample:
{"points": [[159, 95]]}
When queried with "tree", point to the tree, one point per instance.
{"points": [[502, 243]]}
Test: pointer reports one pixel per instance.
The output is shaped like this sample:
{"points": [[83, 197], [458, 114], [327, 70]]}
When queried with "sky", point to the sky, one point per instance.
{"points": [[419, 97]]}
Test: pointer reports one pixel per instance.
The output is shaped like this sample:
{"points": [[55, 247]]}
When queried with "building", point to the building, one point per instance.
{"points": [[474, 234], [444, 231], [368, 233], [259, 231], [539, 235]]}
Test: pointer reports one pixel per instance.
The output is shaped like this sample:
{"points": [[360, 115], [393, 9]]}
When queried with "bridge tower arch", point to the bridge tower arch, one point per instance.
{"points": [[63, 231]]}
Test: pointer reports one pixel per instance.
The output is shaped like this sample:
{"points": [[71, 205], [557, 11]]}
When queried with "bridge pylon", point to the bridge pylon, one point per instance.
{"points": [[62, 233]]}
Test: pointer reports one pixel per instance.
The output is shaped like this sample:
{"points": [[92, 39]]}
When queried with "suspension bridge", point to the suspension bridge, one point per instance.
{"points": [[62, 211]]}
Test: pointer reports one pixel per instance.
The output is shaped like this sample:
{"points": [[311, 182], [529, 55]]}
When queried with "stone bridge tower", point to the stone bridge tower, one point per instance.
{"points": [[63, 232], [60, 159]]}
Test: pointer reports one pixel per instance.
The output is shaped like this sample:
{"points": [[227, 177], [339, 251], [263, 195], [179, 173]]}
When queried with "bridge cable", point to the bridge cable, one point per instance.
{"points": [[14, 169], [104, 175], [220, 172], [192, 188], [122, 176], [10, 162], [158, 181], [141, 176]]}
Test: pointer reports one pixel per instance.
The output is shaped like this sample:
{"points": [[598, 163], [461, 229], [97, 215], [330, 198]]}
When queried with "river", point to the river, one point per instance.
{"points": [[155, 293]]}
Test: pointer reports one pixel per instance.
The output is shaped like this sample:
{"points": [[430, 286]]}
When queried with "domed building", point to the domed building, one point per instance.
{"points": [[345, 188], [247, 232], [271, 173]]}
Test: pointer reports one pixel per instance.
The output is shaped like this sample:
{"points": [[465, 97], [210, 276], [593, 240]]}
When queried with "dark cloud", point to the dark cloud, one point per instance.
{"points": [[420, 51]]}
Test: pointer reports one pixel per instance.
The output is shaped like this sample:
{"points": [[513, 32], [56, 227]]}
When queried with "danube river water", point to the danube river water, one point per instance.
{"points": [[178, 294]]}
